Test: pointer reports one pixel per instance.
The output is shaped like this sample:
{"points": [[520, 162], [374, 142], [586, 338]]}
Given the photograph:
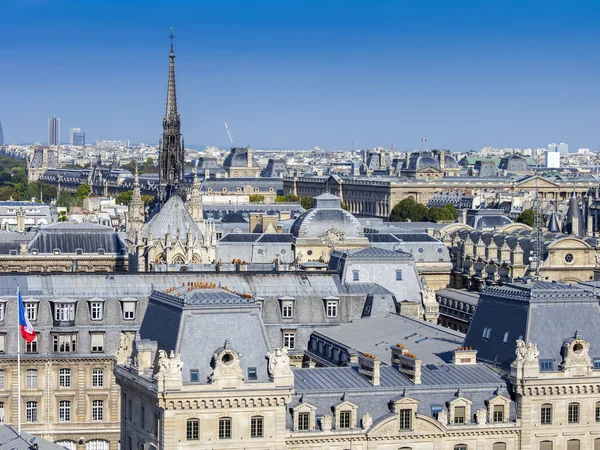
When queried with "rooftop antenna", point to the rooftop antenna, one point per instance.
{"points": [[229, 134], [171, 37]]}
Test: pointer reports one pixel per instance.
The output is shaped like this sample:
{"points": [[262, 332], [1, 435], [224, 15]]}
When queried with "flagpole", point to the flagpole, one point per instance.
{"points": [[19, 368]]}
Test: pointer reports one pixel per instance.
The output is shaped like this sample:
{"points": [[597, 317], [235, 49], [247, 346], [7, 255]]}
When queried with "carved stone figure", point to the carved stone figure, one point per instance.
{"points": [[168, 367], [367, 421], [428, 296], [520, 351], [326, 423], [125, 348], [279, 362], [481, 416], [443, 417], [531, 354], [332, 237]]}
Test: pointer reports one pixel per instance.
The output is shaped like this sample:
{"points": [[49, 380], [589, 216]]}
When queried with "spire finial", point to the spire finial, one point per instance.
{"points": [[171, 36]]}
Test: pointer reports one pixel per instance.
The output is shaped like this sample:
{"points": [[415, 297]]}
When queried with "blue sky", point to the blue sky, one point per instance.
{"points": [[296, 74]]}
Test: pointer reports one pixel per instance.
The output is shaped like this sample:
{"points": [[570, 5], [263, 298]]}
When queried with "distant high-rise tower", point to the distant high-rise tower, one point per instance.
{"points": [[78, 140], [1, 135], [53, 131], [171, 161], [72, 131]]}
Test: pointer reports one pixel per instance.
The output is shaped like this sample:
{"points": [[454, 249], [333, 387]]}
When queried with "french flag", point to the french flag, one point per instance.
{"points": [[26, 328], [423, 140]]}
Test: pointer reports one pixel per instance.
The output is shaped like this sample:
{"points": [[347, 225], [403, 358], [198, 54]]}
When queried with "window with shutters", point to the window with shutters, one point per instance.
{"points": [[573, 413], [64, 378], [256, 427], [573, 444], [193, 429], [498, 413], [546, 445], [546, 414], [459, 414], [97, 342]]}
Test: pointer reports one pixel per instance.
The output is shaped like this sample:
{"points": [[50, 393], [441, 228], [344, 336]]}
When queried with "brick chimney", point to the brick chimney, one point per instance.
{"points": [[464, 355], [406, 363]]}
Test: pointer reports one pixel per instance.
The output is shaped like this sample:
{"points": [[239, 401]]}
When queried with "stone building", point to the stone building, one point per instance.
{"points": [[240, 163], [42, 159], [21, 216], [428, 165]]}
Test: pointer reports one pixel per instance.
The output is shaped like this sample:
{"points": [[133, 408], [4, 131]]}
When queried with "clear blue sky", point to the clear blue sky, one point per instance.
{"points": [[299, 73]]}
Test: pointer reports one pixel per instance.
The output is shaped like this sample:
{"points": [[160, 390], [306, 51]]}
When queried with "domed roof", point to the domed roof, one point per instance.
{"points": [[327, 214], [234, 217], [174, 217], [423, 160], [450, 162], [237, 157]]}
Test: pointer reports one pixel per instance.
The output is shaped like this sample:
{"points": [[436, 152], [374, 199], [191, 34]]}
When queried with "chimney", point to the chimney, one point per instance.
{"points": [[250, 163], [464, 215], [368, 366], [285, 215], [464, 355], [406, 363]]}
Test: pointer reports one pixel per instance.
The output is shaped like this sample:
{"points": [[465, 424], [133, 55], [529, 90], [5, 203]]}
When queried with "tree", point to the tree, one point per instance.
{"points": [[7, 193], [147, 199], [446, 213], [83, 191], [62, 216], [64, 199], [124, 198], [307, 202], [408, 210], [257, 198], [527, 217]]}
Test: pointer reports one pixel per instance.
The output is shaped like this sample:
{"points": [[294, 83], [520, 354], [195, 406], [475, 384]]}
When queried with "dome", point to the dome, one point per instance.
{"points": [[450, 162], [327, 214], [173, 217], [423, 160], [234, 217], [237, 157]]}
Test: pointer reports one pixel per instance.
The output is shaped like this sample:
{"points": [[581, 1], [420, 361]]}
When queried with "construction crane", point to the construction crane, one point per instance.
{"points": [[229, 134]]}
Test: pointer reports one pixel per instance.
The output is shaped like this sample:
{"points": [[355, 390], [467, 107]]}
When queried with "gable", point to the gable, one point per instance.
{"points": [[539, 182]]}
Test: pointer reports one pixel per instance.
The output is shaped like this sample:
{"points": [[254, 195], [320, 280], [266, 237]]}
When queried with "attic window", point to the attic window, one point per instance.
{"points": [[487, 332], [194, 376], [101, 251], [505, 340], [34, 251], [79, 251], [252, 373], [56, 251], [546, 364], [12, 252], [596, 363]]}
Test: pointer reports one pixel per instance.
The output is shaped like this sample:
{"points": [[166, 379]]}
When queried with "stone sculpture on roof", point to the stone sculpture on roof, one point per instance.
{"points": [[279, 362], [168, 367]]}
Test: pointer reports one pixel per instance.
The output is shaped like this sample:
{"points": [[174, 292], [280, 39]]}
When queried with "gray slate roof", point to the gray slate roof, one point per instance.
{"points": [[68, 237], [10, 440], [173, 217]]}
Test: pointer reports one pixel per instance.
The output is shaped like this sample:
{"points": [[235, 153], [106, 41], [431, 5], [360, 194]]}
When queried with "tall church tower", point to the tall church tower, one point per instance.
{"points": [[171, 161]]}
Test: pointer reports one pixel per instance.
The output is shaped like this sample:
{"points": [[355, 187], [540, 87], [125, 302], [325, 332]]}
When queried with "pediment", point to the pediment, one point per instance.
{"points": [[539, 182], [390, 427]]}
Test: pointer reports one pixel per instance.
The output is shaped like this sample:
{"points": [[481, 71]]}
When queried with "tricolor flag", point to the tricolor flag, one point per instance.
{"points": [[423, 140], [26, 328]]}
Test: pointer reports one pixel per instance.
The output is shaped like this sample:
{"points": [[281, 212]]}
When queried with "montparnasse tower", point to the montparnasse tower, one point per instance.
{"points": [[171, 159]]}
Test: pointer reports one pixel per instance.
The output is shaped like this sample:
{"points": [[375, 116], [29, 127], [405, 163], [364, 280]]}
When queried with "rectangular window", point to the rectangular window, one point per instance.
{"points": [[459, 414], [193, 430], [287, 311], [64, 312], [573, 413], [225, 428], [304, 421], [598, 412], [97, 410], [1, 412], [1, 379], [332, 306], [31, 347], [31, 412], [31, 311], [546, 415], [129, 310], [289, 339], [398, 275], [1, 311], [435, 410], [355, 275], [344, 419], [64, 411], [96, 310], [498, 413], [194, 376], [31, 378], [546, 364], [596, 363], [64, 343], [2, 343], [97, 377], [405, 416], [97, 342], [252, 373], [64, 377], [505, 339], [143, 418], [256, 427]]}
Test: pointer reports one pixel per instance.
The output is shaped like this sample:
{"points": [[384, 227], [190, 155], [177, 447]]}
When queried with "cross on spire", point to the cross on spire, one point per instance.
{"points": [[171, 37]]}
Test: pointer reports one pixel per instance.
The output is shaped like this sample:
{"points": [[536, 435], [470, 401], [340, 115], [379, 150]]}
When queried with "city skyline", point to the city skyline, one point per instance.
{"points": [[463, 77]]}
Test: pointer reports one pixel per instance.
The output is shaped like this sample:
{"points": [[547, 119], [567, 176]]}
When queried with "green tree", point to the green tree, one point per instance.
{"points": [[147, 199], [62, 216], [257, 198], [408, 210], [83, 191], [8, 192], [307, 202], [64, 199], [527, 217], [453, 211], [124, 198], [441, 214]]}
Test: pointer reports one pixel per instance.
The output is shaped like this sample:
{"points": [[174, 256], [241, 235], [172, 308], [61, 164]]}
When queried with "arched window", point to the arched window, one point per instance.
{"points": [[461, 447], [193, 429], [257, 427], [97, 444], [546, 445], [499, 446], [546, 414], [573, 444], [69, 445]]}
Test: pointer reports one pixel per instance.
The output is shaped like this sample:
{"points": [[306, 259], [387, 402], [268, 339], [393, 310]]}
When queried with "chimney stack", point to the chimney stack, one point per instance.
{"points": [[368, 365], [406, 362]]}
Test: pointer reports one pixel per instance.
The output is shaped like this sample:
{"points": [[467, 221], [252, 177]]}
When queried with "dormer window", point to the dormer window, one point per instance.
{"points": [[56, 251], [101, 251], [355, 275], [287, 307], [96, 309], [128, 306], [31, 310], [304, 417], [459, 414], [64, 312], [346, 415], [79, 251], [331, 307], [405, 419]]}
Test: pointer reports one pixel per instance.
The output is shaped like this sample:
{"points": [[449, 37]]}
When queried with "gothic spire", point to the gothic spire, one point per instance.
{"points": [[171, 113]]}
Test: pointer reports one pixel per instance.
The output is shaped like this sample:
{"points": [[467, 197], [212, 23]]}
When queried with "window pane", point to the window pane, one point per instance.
{"points": [[225, 428], [546, 414], [193, 429], [256, 427]]}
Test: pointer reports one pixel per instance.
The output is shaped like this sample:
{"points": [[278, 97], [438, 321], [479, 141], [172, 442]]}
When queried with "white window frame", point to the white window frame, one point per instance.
{"points": [[331, 307], [64, 411], [96, 310], [64, 312], [129, 310], [59, 341], [2, 412], [2, 311], [287, 309], [2, 343], [97, 377], [31, 412], [97, 410], [31, 378], [97, 342], [289, 339], [64, 377], [31, 310]]}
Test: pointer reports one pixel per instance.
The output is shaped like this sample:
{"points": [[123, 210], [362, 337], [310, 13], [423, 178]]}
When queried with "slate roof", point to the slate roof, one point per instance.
{"points": [[174, 217], [68, 237], [378, 253], [10, 440], [540, 312], [234, 217]]}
